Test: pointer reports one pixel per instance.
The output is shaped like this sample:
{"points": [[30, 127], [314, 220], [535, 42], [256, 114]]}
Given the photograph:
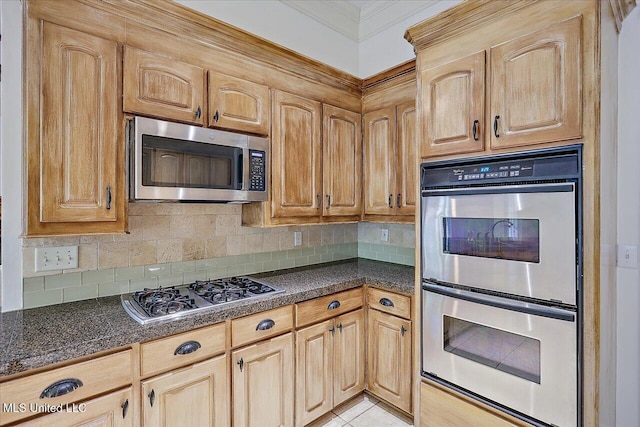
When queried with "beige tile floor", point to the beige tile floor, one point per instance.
{"points": [[363, 411]]}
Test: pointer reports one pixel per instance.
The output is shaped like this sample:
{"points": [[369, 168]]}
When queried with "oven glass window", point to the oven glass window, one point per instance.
{"points": [[501, 238], [168, 162], [511, 353]]}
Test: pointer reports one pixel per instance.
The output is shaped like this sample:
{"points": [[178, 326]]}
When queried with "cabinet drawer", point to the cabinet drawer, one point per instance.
{"points": [[182, 349], [389, 302], [323, 308], [261, 325], [82, 380]]}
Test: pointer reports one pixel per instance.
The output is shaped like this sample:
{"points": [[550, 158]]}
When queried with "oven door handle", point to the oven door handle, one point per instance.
{"points": [[538, 188], [501, 302]]}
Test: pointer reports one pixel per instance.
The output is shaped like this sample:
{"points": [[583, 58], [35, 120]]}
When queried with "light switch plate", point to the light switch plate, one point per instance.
{"points": [[56, 258], [385, 235], [628, 256], [297, 238]]}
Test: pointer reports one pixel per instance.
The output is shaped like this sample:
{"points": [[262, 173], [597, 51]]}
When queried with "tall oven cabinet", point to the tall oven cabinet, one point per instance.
{"points": [[503, 77]]}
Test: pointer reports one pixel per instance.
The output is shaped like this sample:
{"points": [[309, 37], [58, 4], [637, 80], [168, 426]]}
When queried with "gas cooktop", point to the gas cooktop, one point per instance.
{"points": [[169, 303]]}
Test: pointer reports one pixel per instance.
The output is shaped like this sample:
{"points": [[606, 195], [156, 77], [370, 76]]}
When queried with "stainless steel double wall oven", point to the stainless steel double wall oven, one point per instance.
{"points": [[501, 277]]}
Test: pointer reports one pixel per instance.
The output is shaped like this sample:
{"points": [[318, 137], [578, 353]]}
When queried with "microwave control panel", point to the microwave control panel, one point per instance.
{"points": [[257, 170]]}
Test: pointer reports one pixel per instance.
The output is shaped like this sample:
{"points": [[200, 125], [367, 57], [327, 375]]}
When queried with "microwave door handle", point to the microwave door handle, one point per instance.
{"points": [[245, 169], [500, 302]]}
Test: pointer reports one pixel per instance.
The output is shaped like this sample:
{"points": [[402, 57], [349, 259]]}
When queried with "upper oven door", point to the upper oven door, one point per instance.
{"points": [[518, 239]]}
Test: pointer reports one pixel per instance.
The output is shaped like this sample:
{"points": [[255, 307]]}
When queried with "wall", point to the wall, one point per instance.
{"points": [[628, 279], [11, 169]]}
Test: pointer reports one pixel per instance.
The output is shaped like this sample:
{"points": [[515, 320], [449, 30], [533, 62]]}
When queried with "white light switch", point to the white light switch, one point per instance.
{"points": [[627, 256], [297, 238], [57, 258], [385, 235]]}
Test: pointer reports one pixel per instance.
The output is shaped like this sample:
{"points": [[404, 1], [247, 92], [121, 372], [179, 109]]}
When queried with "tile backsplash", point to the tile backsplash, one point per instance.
{"points": [[175, 243]]}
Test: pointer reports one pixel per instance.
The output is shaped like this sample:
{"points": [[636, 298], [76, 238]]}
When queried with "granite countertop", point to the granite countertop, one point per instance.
{"points": [[38, 337]]}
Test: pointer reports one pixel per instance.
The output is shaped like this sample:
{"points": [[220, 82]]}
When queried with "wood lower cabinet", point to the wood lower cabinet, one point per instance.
{"points": [[390, 161], [440, 406], [197, 395], [74, 142], [162, 87], [238, 104], [111, 410], [263, 386], [330, 365], [389, 358]]}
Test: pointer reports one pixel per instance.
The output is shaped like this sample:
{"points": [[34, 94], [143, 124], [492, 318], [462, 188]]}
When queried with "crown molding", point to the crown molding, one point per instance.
{"points": [[621, 9], [340, 16]]}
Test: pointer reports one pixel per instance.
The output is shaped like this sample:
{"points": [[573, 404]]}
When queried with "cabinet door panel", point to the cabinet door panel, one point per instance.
{"points": [[342, 162], [296, 156], [194, 396], [263, 387], [238, 104], [162, 87], [105, 411], [379, 161], [536, 86], [407, 175], [349, 356], [389, 351], [314, 368], [79, 127], [453, 101]]}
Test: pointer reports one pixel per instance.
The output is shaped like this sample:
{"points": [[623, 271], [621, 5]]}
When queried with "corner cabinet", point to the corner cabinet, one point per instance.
{"points": [[532, 91], [390, 161], [316, 165], [159, 86], [74, 143]]}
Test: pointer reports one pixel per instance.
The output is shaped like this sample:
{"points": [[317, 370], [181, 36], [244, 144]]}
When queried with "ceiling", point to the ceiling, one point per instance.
{"points": [[360, 19]]}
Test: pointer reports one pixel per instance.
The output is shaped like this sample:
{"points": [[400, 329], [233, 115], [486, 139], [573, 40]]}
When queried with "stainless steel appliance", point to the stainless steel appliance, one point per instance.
{"points": [[168, 303], [501, 274], [174, 162]]}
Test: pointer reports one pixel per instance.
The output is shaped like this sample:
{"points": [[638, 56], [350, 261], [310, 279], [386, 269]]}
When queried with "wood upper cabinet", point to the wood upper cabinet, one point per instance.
{"points": [[75, 148], [389, 358], [390, 171], [453, 106], [263, 383], [536, 87], [330, 365], [379, 161], [162, 87], [533, 94], [296, 156], [342, 161], [197, 395], [238, 104], [111, 410]]}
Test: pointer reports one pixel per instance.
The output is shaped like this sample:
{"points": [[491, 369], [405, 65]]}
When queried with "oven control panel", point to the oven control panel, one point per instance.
{"points": [[565, 165]]}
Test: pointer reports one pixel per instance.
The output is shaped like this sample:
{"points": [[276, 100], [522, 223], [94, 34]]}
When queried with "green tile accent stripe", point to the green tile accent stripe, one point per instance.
{"points": [[54, 289], [388, 253]]}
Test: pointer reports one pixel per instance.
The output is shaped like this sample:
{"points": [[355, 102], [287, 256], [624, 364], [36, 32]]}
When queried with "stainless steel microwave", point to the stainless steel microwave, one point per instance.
{"points": [[177, 162]]}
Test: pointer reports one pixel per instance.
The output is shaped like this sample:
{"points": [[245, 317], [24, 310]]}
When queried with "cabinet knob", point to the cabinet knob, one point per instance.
{"points": [[339, 327], [108, 197], [198, 112], [389, 201], [216, 116], [328, 201], [403, 330], [495, 126], [152, 397], [332, 330], [398, 199], [241, 364]]}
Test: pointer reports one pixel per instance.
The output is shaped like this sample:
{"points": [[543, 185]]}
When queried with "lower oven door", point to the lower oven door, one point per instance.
{"points": [[519, 355]]}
